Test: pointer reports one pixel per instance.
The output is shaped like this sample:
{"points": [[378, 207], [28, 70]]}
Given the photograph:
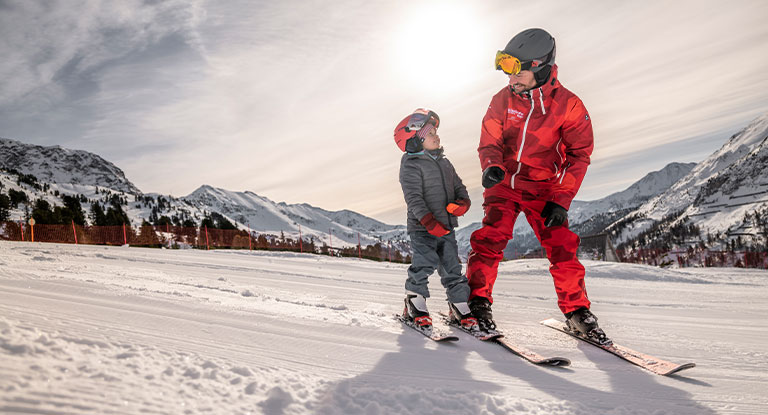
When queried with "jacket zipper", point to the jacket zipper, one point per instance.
{"points": [[562, 175], [522, 143], [442, 179]]}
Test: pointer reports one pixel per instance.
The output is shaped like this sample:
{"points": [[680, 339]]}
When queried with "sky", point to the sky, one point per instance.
{"points": [[297, 100]]}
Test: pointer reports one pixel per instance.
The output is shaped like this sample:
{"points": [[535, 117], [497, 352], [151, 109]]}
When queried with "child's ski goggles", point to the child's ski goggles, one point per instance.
{"points": [[420, 118]]}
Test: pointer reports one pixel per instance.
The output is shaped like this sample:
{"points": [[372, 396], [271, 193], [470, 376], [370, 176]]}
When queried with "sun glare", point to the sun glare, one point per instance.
{"points": [[440, 47]]}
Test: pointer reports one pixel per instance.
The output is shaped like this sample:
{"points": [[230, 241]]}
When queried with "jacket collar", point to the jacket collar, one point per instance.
{"points": [[540, 94], [547, 89], [436, 154]]}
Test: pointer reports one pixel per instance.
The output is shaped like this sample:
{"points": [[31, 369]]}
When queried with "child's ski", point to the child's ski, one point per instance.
{"points": [[653, 364], [433, 334], [478, 334], [521, 351]]}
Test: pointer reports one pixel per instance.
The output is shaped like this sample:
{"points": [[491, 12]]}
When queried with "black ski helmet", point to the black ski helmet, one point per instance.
{"points": [[535, 48]]}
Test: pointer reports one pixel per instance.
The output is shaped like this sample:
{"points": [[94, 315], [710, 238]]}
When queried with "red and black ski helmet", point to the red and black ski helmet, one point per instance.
{"points": [[535, 48], [406, 136]]}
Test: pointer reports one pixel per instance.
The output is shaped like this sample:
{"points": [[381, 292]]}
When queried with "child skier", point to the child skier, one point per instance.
{"points": [[436, 197]]}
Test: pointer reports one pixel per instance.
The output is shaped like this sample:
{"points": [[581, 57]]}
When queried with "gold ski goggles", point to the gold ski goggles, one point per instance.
{"points": [[511, 65], [507, 63]]}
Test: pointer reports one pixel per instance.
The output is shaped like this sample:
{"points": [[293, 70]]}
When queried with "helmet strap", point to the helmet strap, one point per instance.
{"points": [[414, 144], [542, 76]]}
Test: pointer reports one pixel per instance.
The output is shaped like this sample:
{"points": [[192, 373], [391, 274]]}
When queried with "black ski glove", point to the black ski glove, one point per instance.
{"points": [[492, 176], [554, 214]]}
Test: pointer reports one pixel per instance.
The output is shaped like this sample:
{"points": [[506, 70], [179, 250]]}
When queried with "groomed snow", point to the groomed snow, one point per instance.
{"points": [[120, 330]]}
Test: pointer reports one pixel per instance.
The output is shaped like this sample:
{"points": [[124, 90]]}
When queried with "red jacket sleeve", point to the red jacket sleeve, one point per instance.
{"points": [[491, 148], [578, 142]]}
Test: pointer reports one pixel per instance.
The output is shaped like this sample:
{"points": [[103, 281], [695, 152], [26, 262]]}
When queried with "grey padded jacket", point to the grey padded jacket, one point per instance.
{"points": [[429, 184]]}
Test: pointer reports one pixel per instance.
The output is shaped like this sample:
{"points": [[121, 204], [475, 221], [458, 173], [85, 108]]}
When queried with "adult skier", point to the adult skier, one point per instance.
{"points": [[535, 146]]}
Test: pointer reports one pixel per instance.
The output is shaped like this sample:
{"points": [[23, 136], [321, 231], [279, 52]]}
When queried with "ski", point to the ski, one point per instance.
{"points": [[648, 362], [498, 337], [435, 334], [478, 334], [532, 356]]}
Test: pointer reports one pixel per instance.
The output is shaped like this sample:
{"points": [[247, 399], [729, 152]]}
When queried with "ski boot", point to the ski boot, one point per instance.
{"points": [[462, 315], [583, 322], [415, 310], [481, 309]]}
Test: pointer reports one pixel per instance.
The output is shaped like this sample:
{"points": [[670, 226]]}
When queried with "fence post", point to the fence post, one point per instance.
{"points": [[21, 225], [207, 244], [125, 236], [389, 250], [359, 250], [74, 231]]}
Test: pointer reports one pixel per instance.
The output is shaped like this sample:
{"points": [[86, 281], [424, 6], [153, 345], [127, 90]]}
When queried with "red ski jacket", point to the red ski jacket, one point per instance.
{"points": [[542, 139]]}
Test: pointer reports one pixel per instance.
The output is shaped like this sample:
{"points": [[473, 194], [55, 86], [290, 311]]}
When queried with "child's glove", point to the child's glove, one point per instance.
{"points": [[554, 214], [459, 207], [492, 176], [433, 226]]}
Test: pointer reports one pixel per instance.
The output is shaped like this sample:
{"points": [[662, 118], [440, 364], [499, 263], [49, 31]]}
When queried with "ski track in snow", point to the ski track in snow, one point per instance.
{"points": [[119, 330]]}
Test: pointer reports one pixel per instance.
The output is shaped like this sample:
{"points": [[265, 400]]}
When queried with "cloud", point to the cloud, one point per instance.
{"points": [[42, 40]]}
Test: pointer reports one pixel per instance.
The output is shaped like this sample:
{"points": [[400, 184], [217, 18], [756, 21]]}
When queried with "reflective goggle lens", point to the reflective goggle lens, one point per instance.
{"points": [[419, 120], [508, 64]]}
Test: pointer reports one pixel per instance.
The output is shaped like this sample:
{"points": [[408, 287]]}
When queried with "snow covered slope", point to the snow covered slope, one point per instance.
{"points": [[73, 172], [263, 215], [591, 217], [651, 185], [718, 191], [110, 330]]}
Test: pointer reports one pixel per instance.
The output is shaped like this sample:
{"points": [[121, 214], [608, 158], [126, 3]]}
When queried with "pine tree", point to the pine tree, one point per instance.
{"points": [[98, 217], [17, 196], [5, 207], [43, 214]]}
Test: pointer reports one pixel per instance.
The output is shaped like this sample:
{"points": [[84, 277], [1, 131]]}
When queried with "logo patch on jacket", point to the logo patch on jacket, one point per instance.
{"points": [[515, 113]]}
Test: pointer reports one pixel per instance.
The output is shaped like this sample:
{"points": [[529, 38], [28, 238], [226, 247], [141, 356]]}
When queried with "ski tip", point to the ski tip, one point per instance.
{"points": [[679, 368], [551, 322], [556, 361]]}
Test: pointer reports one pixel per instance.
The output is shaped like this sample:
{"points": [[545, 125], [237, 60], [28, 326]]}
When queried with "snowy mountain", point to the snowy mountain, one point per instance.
{"points": [[591, 217], [49, 173], [64, 166], [716, 194], [261, 214], [651, 185]]}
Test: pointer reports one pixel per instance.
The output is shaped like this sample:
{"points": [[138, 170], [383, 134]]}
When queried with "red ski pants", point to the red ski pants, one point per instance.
{"points": [[502, 206]]}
